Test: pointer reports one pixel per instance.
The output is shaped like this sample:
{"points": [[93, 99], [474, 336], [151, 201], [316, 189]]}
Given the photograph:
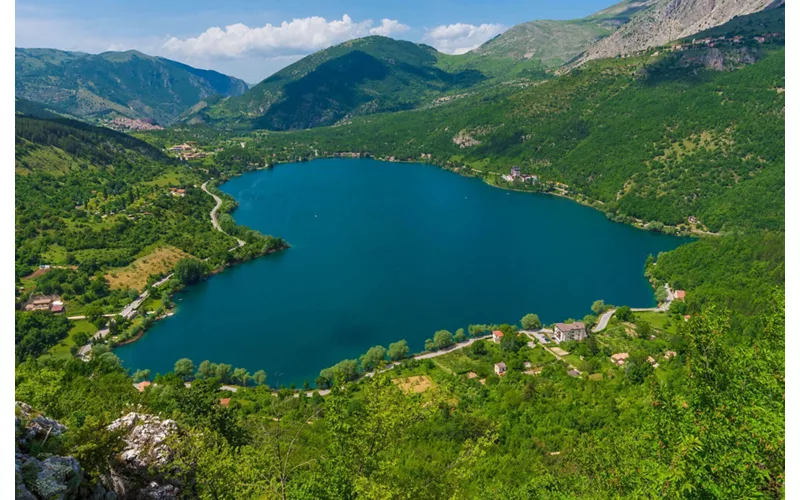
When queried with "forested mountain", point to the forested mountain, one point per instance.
{"points": [[367, 75], [111, 84]]}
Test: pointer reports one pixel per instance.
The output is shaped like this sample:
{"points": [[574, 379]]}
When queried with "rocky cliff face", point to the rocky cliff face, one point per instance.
{"points": [[138, 472], [670, 20], [140, 469]]}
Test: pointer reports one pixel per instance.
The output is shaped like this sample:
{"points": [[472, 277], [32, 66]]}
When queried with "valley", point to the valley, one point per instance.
{"points": [[550, 266]]}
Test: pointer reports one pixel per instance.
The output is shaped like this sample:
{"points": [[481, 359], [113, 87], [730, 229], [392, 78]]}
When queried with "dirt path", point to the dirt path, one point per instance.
{"points": [[214, 219]]}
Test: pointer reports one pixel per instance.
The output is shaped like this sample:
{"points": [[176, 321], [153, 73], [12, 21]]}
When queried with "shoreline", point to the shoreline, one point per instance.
{"points": [[637, 223], [240, 243], [214, 183]]}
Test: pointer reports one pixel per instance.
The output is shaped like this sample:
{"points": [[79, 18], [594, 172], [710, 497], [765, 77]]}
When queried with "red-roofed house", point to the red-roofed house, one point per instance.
{"points": [[225, 401], [141, 385], [680, 294], [497, 336]]}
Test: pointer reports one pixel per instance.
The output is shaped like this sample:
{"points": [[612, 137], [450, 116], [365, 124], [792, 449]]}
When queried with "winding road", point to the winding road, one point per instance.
{"points": [[214, 219], [604, 319]]}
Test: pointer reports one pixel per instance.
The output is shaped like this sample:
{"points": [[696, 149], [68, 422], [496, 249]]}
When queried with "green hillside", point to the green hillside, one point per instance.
{"points": [[554, 43], [367, 75], [129, 84]]}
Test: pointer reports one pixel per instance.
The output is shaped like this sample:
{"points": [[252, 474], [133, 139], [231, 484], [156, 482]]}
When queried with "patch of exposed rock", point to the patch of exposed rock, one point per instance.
{"points": [[464, 140], [138, 472], [670, 20], [140, 469]]}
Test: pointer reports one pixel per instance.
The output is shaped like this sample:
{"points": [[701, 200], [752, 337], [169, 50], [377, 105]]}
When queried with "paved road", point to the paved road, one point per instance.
{"points": [[128, 312], [213, 215], [604, 319]]}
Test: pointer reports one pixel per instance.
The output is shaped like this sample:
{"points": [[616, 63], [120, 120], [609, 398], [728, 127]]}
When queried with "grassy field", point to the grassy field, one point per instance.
{"points": [[135, 274], [658, 320], [62, 349]]}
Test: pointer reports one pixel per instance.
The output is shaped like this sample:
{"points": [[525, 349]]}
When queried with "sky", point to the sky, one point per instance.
{"points": [[251, 39]]}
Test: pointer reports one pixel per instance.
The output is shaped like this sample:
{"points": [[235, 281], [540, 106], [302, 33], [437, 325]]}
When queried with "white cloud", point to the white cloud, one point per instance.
{"points": [[460, 38], [389, 27], [297, 36]]}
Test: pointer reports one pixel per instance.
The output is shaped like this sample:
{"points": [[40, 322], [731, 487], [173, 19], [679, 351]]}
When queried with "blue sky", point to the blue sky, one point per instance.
{"points": [[252, 39]]}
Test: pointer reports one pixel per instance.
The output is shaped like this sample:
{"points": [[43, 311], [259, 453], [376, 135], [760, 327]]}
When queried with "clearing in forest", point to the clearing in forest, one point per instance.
{"points": [[135, 274], [418, 384]]}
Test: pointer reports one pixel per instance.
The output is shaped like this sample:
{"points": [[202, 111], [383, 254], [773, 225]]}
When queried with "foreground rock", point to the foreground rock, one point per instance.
{"points": [[138, 472], [140, 469]]}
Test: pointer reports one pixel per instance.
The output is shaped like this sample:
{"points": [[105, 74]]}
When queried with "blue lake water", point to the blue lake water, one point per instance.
{"points": [[388, 251]]}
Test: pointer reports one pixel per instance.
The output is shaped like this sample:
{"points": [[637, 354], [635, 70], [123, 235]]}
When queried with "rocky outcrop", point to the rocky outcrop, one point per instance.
{"points": [[139, 471], [54, 477], [670, 20]]}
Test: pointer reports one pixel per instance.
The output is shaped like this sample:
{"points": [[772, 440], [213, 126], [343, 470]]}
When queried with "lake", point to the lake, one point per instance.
{"points": [[387, 251]]}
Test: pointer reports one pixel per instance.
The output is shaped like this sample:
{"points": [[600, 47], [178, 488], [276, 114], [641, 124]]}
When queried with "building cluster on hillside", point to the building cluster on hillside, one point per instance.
{"points": [[186, 151], [125, 123], [517, 176], [177, 192], [52, 303]]}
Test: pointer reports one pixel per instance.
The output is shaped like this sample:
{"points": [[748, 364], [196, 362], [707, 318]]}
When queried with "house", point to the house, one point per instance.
{"points": [[57, 307], [141, 385], [652, 361], [500, 368], [497, 336], [225, 402], [42, 302], [515, 171], [692, 219], [177, 192], [619, 358], [670, 354], [574, 373], [527, 365], [570, 331], [680, 294], [472, 375], [687, 317]]}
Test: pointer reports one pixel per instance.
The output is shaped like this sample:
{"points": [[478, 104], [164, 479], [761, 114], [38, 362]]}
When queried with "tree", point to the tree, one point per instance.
{"points": [[429, 345], [373, 358], [460, 336], [398, 350], [184, 368], [511, 343], [442, 339], [189, 271], [661, 294], [479, 348], [241, 375], [223, 372], [599, 307], [589, 321], [205, 370], [260, 377], [531, 322], [624, 313], [140, 375], [643, 328], [591, 345]]}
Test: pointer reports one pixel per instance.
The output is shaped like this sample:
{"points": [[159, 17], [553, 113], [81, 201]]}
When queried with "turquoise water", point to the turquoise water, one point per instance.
{"points": [[386, 251]]}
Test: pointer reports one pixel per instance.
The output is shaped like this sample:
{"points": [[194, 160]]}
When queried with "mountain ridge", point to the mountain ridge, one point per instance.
{"points": [[129, 84]]}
